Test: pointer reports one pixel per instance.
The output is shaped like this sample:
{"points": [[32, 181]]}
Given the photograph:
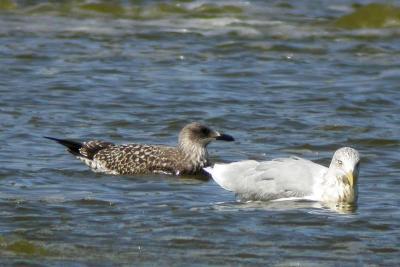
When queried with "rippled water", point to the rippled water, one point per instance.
{"points": [[284, 77]]}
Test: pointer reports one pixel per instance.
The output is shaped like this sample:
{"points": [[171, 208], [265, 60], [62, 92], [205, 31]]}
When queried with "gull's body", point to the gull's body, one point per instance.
{"points": [[188, 157], [292, 177]]}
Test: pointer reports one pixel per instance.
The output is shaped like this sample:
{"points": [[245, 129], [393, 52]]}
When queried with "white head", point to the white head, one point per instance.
{"points": [[344, 167]]}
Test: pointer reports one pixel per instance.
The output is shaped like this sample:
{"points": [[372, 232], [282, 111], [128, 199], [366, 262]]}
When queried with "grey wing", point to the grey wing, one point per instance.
{"points": [[287, 177]]}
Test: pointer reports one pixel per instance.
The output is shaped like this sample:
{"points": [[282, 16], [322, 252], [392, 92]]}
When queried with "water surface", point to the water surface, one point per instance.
{"points": [[284, 77]]}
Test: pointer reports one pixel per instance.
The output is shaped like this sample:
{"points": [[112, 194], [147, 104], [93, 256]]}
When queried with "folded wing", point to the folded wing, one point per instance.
{"points": [[279, 178]]}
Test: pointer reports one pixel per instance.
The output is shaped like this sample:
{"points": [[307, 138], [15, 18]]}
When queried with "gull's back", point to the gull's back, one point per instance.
{"points": [[140, 158], [279, 178]]}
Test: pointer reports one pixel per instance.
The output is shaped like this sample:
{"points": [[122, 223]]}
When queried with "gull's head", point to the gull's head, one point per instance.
{"points": [[345, 167], [195, 134]]}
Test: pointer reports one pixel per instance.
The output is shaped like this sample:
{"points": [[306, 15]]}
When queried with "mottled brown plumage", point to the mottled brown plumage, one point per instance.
{"points": [[188, 157]]}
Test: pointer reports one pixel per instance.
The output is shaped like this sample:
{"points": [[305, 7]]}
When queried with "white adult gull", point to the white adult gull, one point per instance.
{"points": [[292, 177]]}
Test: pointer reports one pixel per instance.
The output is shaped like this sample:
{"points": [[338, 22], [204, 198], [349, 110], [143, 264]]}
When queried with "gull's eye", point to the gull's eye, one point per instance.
{"points": [[205, 131], [339, 162]]}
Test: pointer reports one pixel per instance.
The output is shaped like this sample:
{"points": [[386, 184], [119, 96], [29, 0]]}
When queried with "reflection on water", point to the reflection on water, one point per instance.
{"points": [[284, 77], [286, 205], [343, 208]]}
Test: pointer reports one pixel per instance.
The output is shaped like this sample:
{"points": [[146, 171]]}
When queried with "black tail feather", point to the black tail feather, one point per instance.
{"points": [[73, 147]]}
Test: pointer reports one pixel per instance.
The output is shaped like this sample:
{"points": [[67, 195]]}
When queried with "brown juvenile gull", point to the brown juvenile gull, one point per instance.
{"points": [[188, 157]]}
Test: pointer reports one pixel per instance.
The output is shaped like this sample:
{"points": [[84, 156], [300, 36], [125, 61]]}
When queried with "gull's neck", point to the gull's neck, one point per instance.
{"points": [[195, 154], [332, 188]]}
